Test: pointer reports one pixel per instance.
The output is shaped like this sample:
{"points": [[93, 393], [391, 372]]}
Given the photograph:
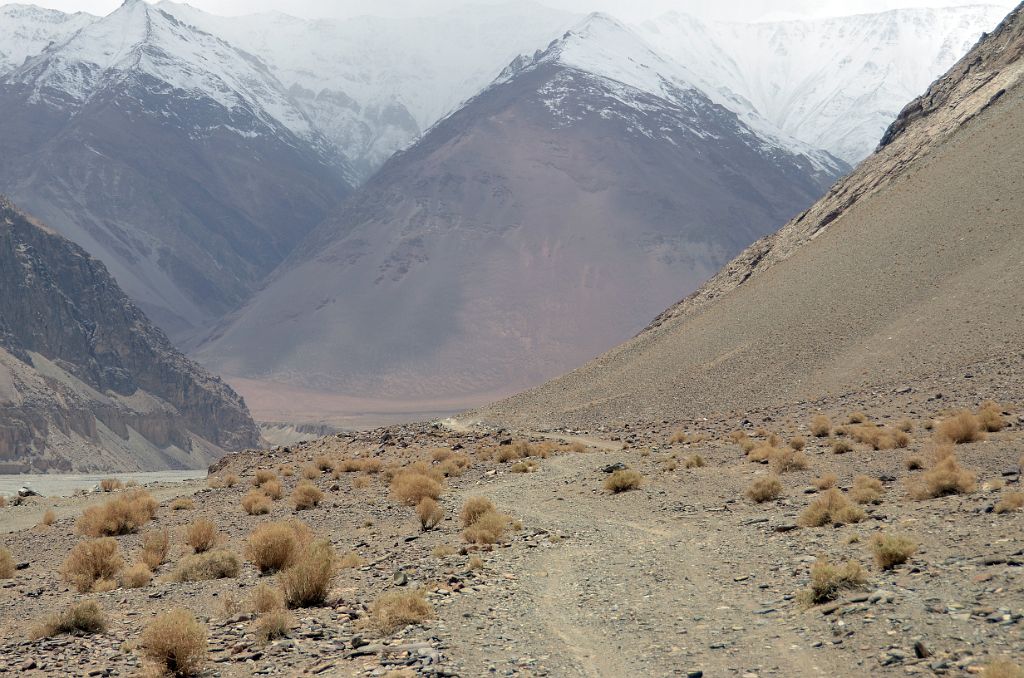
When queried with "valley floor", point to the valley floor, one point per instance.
{"points": [[683, 576]]}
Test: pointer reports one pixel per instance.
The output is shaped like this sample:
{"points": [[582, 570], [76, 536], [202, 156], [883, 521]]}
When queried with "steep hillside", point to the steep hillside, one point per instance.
{"points": [[543, 222], [27, 30], [173, 157], [86, 382], [910, 267]]}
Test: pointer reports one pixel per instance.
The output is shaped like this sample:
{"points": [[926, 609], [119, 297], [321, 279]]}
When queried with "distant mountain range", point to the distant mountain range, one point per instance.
{"points": [[490, 195]]}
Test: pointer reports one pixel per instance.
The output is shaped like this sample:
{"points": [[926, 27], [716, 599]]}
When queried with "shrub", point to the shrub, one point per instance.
{"points": [[255, 503], [826, 481], [92, 561], [124, 514], [866, 490], [798, 443], [350, 560], [944, 478], [274, 546], [306, 496], [905, 425], [962, 427], [832, 507], [136, 576], [230, 480], [487, 528], [747, 444], [273, 489], [84, 618], [1002, 668], [410, 487], [766, 488], [473, 508], [266, 598], [360, 482], [841, 447], [443, 551], [182, 504], [623, 480], [857, 418], [110, 484], [324, 463], [49, 518], [176, 642], [307, 582], [914, 463], [7, 566], [310, 472], [990, 417], [273, 624], [397, 609], [891, 550], [263, 476], [214, 483], [218, 564], [761, 454], [155, 545], [201, 535], [528, 466], [694, 461], [784, 461], [828, 581], [430, 513], [3, 501], [1011, 501], [475, 563]]}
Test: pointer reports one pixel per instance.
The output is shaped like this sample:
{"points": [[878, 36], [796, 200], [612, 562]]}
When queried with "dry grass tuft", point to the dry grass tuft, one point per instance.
{"points": [[1002, 668], [155, 545], [828, 580], [255, 503], [263, 476], [914, 463], [231, 480], [430, 513], [694, 461], [324, 463], [798, 443], [825, 482], [182, 504], [411, 486], [81, 618], [760, 454], [962, 427], [397, 609], [136, 576], [201, 535], [219, 564], [124, 514], [786, 460], [274, 546], [306, 496], [841, 447], [307, 581], [831, 508], [273, 489], [821, 426], [266, 598], [905, 425], [1010, 502], [487, 528], [110, 484], [473, 508], [857, 418], [92, 561], [891, 550], [767, 488], [175, 642], [49, 518], [623, 480], [7, 566], [273, 625], [867, 490], [944, 478], [310, 472], [990, 417]]}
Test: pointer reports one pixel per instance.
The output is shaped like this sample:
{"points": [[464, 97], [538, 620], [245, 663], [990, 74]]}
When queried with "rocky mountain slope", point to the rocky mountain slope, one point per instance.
{"points": [[175, 158], [833, 83], [544, 221], [28, 30], [909, 267], [86, 382]]}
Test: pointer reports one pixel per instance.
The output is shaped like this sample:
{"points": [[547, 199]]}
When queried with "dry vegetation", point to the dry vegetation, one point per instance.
{"points": [[307, 581], [397, 609], [831, 508], [175, 642], [6, 564], [201, 535], [306, 496], [92, 565], [623, 480], [155, 545], [124, 514], [220, 564], [430, 513], [274, 546], [1010, 502], [828, 580], [766, 488], [85, 617], [256, 503], [891, 550], [944, 478]]}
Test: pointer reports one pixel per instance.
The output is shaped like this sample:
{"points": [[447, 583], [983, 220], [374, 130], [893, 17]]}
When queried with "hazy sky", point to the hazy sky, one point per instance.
{"points": [[629, 10]]}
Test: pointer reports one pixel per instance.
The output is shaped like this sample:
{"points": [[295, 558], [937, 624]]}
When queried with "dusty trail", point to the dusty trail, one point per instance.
{"points": [[632, 590]]}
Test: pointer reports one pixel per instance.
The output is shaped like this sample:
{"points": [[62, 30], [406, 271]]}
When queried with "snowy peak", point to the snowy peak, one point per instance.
{"points": [[150, 49], [27, 30]]}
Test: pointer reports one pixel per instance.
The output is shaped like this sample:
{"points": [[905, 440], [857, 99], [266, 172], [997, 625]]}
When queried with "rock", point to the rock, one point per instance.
{"points": [[401, 578], [27, 492], [612, 468], [920, 651]]}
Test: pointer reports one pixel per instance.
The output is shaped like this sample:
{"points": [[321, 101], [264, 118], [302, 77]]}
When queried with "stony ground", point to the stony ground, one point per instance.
{"points": [[682, 577]]}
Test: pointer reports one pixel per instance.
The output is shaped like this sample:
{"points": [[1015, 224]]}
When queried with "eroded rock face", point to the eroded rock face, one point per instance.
{"points": [[86, 381]]}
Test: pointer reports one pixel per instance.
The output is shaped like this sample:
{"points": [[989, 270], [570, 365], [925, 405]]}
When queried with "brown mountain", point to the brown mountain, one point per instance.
{"points": [[546, 220], [909, 269], [86, 381]]}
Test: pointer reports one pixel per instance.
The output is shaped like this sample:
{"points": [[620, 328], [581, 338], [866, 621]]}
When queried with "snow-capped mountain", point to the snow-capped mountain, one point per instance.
{"points": [[372, 84], [176, 158], [27, 30], [543, 221], [832, 83]]}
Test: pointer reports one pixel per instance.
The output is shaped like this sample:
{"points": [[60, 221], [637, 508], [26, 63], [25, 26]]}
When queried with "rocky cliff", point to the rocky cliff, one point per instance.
{"points": [[86, 381]]}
